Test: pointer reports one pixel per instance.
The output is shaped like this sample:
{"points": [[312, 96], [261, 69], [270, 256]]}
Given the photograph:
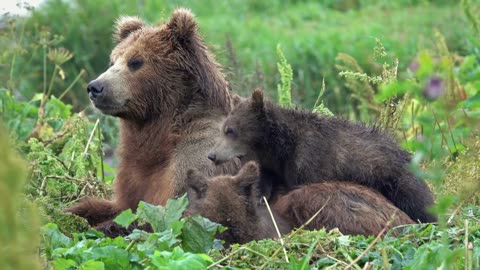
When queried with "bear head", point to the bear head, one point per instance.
{"points": [[229, 200], [242, 131], [154, 70]]}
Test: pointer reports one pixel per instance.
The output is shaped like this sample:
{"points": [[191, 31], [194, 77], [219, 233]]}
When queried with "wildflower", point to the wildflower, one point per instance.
{"points": [[434, 89]]}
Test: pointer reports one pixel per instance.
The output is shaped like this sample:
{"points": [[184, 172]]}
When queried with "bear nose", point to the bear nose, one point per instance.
{"points": [[94, 89], [212, 156]]}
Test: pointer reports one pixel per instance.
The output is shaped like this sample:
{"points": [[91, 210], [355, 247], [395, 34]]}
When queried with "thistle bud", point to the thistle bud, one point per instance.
{"points": [[434, 89]]}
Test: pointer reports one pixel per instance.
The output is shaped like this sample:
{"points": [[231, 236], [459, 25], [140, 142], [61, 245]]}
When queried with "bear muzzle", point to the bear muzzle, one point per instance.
{"points": [[101, 97], [94, 90]]}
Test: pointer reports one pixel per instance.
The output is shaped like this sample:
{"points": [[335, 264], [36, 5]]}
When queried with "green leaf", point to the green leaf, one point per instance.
{"points": [[63, 264], [92, 265], [163, 218], [472, 102], [159, 241], [198, 234], [112, 256], [391, 90], [125, 218], [425, 65], [179, 260], [53, 239]]}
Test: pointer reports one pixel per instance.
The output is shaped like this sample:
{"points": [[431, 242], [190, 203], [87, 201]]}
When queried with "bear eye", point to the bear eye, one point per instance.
{"points": [[110, 63], [230, 132], [135, 63]]}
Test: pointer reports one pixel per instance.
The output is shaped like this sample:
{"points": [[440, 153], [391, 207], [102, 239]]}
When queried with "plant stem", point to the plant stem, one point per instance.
{"points": [[72, 84]]}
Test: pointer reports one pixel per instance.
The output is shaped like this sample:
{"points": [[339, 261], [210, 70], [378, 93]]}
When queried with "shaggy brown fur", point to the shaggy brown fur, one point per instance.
{"points": [[162, 81], [300, 147], [351, 208], [152, 183], [234, 202]]}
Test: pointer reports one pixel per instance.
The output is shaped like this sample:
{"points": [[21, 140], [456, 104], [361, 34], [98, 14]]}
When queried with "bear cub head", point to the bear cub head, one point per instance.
{"points": [[242, 130], [232, 201]]}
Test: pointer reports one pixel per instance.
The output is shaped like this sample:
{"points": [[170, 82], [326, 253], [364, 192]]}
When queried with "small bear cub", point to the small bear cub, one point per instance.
{"points": [[234, 202]]}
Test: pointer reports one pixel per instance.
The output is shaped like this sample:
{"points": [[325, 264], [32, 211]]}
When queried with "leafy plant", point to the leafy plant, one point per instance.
{"points": [[18, 217], [176, 242], [285, 88]]}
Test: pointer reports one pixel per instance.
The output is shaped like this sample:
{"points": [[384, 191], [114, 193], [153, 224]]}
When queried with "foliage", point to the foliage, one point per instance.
{"points": [[176, 242], [417, 247], [284, 89], [312, 34], [18, 218]]}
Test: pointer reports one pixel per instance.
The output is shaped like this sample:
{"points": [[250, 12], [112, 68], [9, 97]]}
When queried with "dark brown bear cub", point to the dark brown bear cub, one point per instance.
{"points": [[234, 201], [301, 147]]}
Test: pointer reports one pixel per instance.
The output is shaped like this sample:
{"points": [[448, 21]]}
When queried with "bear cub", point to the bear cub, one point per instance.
{"points": [[302, 147], [234, 201]]}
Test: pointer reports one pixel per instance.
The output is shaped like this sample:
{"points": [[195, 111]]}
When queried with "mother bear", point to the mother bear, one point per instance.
{"points": [[171, 97]]}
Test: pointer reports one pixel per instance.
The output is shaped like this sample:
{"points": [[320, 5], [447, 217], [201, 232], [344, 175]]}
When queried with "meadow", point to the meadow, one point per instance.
{"points": [[409, 66]]}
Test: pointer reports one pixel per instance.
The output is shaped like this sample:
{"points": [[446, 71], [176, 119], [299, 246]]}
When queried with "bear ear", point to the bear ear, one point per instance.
{"points": [[257, 99], [183, 26], [236, 99], [126, 25], [247, 178], [197, 184]]}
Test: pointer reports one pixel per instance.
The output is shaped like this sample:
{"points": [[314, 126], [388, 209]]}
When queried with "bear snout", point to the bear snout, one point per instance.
{"points": [[94, 89], [212, 156]]}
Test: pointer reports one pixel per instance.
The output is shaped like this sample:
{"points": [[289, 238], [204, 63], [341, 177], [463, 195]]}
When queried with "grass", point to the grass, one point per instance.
{"points": [[311, 34]]}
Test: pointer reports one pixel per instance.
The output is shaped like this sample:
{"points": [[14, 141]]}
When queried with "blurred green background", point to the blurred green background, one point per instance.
{"points": [[243, 35]]}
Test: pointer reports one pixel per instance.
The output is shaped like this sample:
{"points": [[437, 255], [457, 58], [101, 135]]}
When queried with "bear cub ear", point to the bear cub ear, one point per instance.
{"points": [[257, 99], [183, 25], [197, 184], [247, 179], [126, 25]]}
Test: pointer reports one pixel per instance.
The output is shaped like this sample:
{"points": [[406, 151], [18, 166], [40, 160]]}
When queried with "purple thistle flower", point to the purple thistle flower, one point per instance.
{"points": [[434, 89]]}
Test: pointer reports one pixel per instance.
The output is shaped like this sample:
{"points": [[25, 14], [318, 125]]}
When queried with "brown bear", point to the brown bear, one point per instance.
{"points": [[352, 208], [234, 201], [171, 97], [301, 147]]}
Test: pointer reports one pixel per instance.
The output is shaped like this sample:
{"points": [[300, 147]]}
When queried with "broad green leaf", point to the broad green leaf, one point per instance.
{"points": [[63, 264], [179, 260], [92, 265], [163, 218], [198, 234], [112, 256], [53, 238], [125, 218], [158, 241]]}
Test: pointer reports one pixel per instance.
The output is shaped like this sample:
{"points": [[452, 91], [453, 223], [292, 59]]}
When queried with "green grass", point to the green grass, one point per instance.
{"points": [[311, 34]]}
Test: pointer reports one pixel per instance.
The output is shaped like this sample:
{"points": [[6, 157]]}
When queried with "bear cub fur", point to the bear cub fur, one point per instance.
{"points": [[302, 147], [234, 201]]}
